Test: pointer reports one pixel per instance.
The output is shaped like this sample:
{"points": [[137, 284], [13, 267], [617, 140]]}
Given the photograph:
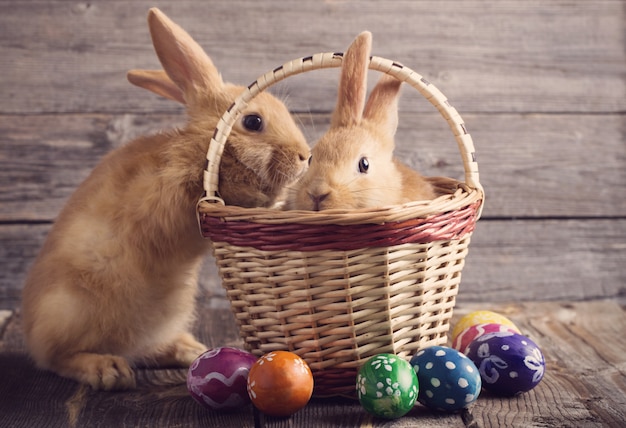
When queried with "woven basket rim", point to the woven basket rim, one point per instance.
{"points": [[464, 196]]}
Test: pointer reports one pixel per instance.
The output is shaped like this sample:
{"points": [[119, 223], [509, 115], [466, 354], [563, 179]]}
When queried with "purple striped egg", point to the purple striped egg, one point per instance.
{"points": [[218, 378]]}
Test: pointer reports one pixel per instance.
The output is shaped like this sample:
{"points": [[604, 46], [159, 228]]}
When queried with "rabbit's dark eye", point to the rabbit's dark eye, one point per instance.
{"points": [[253, 122], [364, 165]]}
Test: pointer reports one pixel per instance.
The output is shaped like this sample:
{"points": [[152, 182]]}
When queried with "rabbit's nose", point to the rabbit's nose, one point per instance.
{"points": [[317, 200]]}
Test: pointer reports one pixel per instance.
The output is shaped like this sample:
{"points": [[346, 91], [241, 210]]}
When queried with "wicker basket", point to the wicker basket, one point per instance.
{"points": [[339, 286]]}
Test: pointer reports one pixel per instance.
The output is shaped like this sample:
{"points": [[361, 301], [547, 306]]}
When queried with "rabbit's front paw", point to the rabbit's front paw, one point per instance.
{"points": [[182, 352], [106, 372], [187, 349]]}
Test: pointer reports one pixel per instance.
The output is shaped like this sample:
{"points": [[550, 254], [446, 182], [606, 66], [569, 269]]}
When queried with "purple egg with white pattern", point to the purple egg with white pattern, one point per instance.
{"points": [[218, 378], [508, 363], [449, 381]]}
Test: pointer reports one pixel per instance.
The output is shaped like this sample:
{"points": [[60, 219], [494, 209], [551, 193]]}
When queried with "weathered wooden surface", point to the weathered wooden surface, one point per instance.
{"points": [[508, 261], [562, 165], [584, 384], [564, 56], [553, 225]]}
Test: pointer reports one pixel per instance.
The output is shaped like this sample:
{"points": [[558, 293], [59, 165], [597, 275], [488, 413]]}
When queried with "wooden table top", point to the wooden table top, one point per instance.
{"points": [[584, 385]]}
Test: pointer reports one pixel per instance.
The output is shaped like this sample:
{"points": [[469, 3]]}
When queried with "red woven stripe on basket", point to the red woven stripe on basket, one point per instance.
{"points": [[305, 237]]}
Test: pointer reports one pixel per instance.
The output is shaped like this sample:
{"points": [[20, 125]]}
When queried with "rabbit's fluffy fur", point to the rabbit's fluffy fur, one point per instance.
{"points": [[352, 165], [115, 282]]}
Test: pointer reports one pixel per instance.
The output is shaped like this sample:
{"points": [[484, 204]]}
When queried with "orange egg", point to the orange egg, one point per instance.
{"points": [[280, 383]]}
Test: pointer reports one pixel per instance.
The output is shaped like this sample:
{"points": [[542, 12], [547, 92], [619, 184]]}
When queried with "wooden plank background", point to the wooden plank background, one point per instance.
{"points": [[541, 86]]}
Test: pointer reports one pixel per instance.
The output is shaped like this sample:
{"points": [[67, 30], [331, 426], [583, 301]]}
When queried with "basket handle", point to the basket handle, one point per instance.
{"points": [[332, 60]]}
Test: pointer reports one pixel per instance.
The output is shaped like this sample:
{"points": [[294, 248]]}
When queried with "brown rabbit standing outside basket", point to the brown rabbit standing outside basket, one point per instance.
{"points": [[115, 281]]}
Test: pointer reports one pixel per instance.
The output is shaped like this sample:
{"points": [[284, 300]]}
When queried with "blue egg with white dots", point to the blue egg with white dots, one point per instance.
{"points": [[449, 381]]}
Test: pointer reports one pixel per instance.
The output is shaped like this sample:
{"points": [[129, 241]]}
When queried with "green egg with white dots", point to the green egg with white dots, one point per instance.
{"points": [[387, 386]]}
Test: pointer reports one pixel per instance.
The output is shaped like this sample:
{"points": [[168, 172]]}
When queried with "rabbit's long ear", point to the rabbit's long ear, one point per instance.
{"points": [[184, 61], [382, 105], [156, 81], [353, 82]]}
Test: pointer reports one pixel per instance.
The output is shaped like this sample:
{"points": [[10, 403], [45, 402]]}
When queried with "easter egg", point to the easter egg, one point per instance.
{"points": [[508, 363], [448, 380], [280, 383], [467, 336], [217, 378], [481, 317], [387, 386]]}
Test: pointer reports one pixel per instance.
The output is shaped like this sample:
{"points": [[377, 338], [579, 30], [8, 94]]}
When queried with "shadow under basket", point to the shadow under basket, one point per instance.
{"points": [[337, 287]]}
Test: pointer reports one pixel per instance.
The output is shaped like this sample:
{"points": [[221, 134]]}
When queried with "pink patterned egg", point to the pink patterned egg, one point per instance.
{"points": [[481, 317], [466, 337], [218, 378]]}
